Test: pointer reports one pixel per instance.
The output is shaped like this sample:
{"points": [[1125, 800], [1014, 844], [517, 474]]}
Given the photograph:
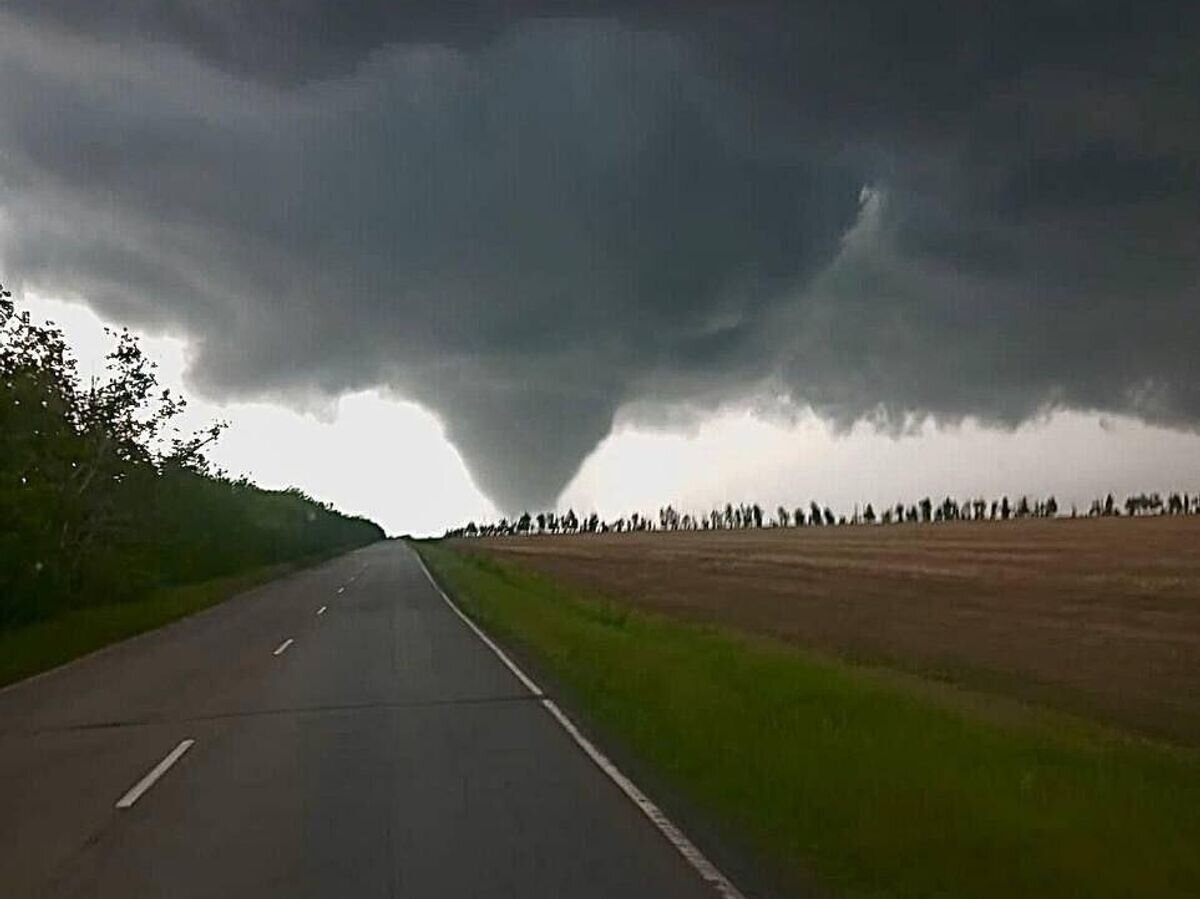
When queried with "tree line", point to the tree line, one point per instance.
{"points": [[752, 515], [103, 499]]}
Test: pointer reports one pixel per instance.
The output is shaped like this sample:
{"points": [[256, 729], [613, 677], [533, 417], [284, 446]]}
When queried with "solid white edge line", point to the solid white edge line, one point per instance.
{"points": [[511, 665], [321, 611], [658, 818], [676, 837], [282, 647], [135, 792]]}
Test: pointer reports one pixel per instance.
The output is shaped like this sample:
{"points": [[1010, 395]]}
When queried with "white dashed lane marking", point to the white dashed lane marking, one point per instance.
{"points": [[135, 792]]}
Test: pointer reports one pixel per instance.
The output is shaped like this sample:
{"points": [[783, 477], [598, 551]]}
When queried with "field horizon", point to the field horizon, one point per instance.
{"points": [[1097, 617], [829, 777]]}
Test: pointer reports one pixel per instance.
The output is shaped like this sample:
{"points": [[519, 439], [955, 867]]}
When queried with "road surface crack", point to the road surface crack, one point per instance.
{"points": [[324, 709]]}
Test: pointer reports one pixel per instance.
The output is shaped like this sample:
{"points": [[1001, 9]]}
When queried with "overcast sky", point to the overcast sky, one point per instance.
{"points": [[434, 263]]}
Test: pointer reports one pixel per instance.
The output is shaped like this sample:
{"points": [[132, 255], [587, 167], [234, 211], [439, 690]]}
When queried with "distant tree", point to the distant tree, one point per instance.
{"points": [[783, 517], [869, 514], [926, 509], [829, 519], [950, 509], [815, 517]]}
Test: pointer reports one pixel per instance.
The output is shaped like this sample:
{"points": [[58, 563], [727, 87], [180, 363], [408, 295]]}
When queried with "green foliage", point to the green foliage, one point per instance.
{"points": [[102, 499], [878, 784]]}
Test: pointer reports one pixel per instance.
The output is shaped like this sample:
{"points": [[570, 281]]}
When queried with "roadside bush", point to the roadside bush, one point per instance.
{"points": [[102, 499]]}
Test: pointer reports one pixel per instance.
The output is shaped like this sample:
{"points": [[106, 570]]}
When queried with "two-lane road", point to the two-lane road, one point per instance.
{"points": [[350, 737]]}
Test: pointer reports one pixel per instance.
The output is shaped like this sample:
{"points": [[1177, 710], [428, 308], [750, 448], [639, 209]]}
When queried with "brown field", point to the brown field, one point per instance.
{"points": [[1097, 616]]}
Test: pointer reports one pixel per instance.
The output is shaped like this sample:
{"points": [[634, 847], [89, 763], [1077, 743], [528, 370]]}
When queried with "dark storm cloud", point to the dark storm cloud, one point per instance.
{"points": [[884, 211]]}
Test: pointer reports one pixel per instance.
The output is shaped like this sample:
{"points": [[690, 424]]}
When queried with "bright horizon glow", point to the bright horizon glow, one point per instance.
{"points": [[737, 456], [389, 459], [368, 454]]}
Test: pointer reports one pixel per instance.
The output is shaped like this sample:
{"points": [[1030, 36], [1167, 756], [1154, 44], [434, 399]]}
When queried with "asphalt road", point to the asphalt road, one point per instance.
{"points": [[384, 752]]}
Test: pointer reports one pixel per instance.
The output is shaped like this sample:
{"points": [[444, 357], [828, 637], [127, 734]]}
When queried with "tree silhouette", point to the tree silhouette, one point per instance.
{"points": [[103, 497], [926, 509]]}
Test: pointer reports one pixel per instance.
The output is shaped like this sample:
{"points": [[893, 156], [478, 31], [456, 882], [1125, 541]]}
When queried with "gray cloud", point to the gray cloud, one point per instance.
{"points": [[528, 225]]}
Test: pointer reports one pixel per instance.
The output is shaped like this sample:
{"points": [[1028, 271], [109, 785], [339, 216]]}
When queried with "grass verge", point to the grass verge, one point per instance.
{"points": [[38, 647], [877, 786]]}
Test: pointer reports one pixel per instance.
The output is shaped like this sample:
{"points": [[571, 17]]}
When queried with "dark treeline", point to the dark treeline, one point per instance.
{"points": [[102, 499], [752, 515]]}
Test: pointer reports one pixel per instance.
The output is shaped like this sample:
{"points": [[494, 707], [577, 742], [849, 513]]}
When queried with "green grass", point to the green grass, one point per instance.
{"points": [[875, 785], [37, 647]]}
